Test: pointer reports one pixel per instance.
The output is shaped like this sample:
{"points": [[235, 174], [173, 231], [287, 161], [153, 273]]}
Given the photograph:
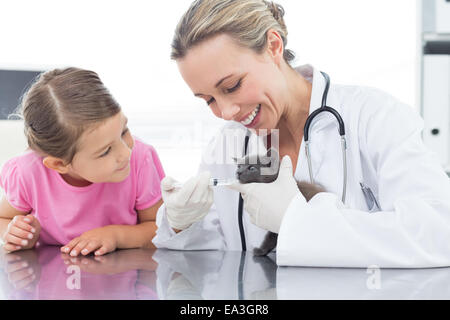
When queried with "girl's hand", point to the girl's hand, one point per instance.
{"points": [[101, 240], [22, 233]]}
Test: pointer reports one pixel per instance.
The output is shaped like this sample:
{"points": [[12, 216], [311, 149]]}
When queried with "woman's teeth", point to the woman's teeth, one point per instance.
{"points": [[252, 116]]}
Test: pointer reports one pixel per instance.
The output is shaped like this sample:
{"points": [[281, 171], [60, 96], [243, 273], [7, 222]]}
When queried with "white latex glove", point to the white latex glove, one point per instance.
{"points": [[266, 203], [187, 204]]}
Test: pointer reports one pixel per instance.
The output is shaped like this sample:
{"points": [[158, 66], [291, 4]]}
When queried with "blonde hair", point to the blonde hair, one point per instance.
{"points": [[60, 106], [246, 21]]}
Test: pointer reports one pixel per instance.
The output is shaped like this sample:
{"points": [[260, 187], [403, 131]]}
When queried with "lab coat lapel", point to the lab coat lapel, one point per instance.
{"points": [[320, 122], [325, 144]]}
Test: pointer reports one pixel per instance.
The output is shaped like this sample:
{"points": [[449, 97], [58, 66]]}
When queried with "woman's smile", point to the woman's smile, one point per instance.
{"points": [[251, 119]]}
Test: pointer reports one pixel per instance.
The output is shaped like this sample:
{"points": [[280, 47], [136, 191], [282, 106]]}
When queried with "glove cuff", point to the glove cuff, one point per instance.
{"points": [[177, 224]]}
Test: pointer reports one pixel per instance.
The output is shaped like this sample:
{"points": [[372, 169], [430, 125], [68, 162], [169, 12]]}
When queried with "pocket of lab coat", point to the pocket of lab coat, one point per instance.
{"points": [[370, 198]]}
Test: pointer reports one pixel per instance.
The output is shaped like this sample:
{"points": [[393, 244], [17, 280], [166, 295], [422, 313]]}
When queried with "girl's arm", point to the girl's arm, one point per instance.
{"points": [[17, 233], [106, 239], [7, 211], [140, 235]]}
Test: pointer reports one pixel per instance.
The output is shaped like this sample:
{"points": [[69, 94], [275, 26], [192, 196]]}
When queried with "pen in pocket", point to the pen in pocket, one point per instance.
{"points": [[371, 201]]}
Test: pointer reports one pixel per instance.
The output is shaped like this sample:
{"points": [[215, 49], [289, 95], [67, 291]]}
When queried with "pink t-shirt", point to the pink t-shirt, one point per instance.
{"points": [[65, 211]]}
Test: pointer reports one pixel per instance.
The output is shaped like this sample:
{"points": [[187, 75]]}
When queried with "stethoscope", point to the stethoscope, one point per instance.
{"points": [[306, 130]]}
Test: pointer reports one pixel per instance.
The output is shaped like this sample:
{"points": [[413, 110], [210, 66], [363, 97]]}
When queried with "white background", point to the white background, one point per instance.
{"points": [[128, 43]]}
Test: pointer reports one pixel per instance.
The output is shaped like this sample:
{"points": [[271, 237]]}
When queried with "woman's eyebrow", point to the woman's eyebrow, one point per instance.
{"points": [[217, 84], [222, 80]]}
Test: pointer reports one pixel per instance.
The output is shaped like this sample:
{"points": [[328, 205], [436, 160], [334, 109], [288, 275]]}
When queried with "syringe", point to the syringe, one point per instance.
{"points": [[213, 182]]}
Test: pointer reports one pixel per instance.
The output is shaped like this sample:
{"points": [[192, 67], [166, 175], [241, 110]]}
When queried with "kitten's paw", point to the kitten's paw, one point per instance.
{"points": [[259, 252]]}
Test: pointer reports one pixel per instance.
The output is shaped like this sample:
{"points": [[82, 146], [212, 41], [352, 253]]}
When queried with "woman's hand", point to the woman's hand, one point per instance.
{"points": [[22, 233], [266, 203], [187, 204], [101, 240]]}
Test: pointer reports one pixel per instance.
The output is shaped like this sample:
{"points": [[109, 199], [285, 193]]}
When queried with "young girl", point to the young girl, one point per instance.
{"points": [[86, 183]]}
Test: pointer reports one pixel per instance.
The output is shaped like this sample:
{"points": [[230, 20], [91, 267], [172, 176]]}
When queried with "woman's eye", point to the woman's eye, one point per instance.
{"points": [[237, 86], [106, 152], [125, 132], [210, 101]]}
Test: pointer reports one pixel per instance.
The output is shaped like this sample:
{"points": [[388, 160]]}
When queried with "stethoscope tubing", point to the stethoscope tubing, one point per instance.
{"points": [[306, 130], [341, 126]]}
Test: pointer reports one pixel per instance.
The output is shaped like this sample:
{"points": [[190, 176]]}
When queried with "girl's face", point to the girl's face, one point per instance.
{"points": [[104, 152], [237, 83]]}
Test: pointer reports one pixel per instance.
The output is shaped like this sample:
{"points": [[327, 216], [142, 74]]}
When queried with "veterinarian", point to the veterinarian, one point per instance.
{"points": [[388, 199]]}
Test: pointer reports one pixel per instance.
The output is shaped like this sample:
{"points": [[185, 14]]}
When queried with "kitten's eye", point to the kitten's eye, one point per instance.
{"points": [[252, 168]]}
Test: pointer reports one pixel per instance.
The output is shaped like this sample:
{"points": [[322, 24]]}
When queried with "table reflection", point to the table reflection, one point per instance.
{"points": [[45, 273]]}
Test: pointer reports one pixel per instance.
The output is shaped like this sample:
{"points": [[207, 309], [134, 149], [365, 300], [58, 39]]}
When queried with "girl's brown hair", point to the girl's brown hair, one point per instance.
{"points": [[246, 21], [60, 106]]}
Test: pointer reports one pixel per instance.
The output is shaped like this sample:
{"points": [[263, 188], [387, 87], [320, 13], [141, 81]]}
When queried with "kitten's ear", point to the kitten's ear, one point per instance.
{"points": [[235, 160]]}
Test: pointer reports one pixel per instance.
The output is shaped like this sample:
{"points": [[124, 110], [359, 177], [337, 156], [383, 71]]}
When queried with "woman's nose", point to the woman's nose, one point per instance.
{"points": [[229, 111]]}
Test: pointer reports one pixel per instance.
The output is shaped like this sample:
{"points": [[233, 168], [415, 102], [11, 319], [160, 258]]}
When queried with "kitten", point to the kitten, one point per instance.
{"points": [[250, 169]]}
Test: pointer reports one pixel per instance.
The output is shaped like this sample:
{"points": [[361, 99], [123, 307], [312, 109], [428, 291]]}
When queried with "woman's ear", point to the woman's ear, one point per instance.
{"points": [[275, 46], [56, 164]]}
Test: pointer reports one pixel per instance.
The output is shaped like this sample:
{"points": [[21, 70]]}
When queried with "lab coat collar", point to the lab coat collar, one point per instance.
{"points": [[318, 82]]}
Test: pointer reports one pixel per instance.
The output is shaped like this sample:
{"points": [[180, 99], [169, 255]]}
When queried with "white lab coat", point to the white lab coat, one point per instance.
{"points": [[384, 151]]}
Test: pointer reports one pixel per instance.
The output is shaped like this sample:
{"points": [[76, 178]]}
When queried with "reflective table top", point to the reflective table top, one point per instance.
{"points": [[45, 273]]}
